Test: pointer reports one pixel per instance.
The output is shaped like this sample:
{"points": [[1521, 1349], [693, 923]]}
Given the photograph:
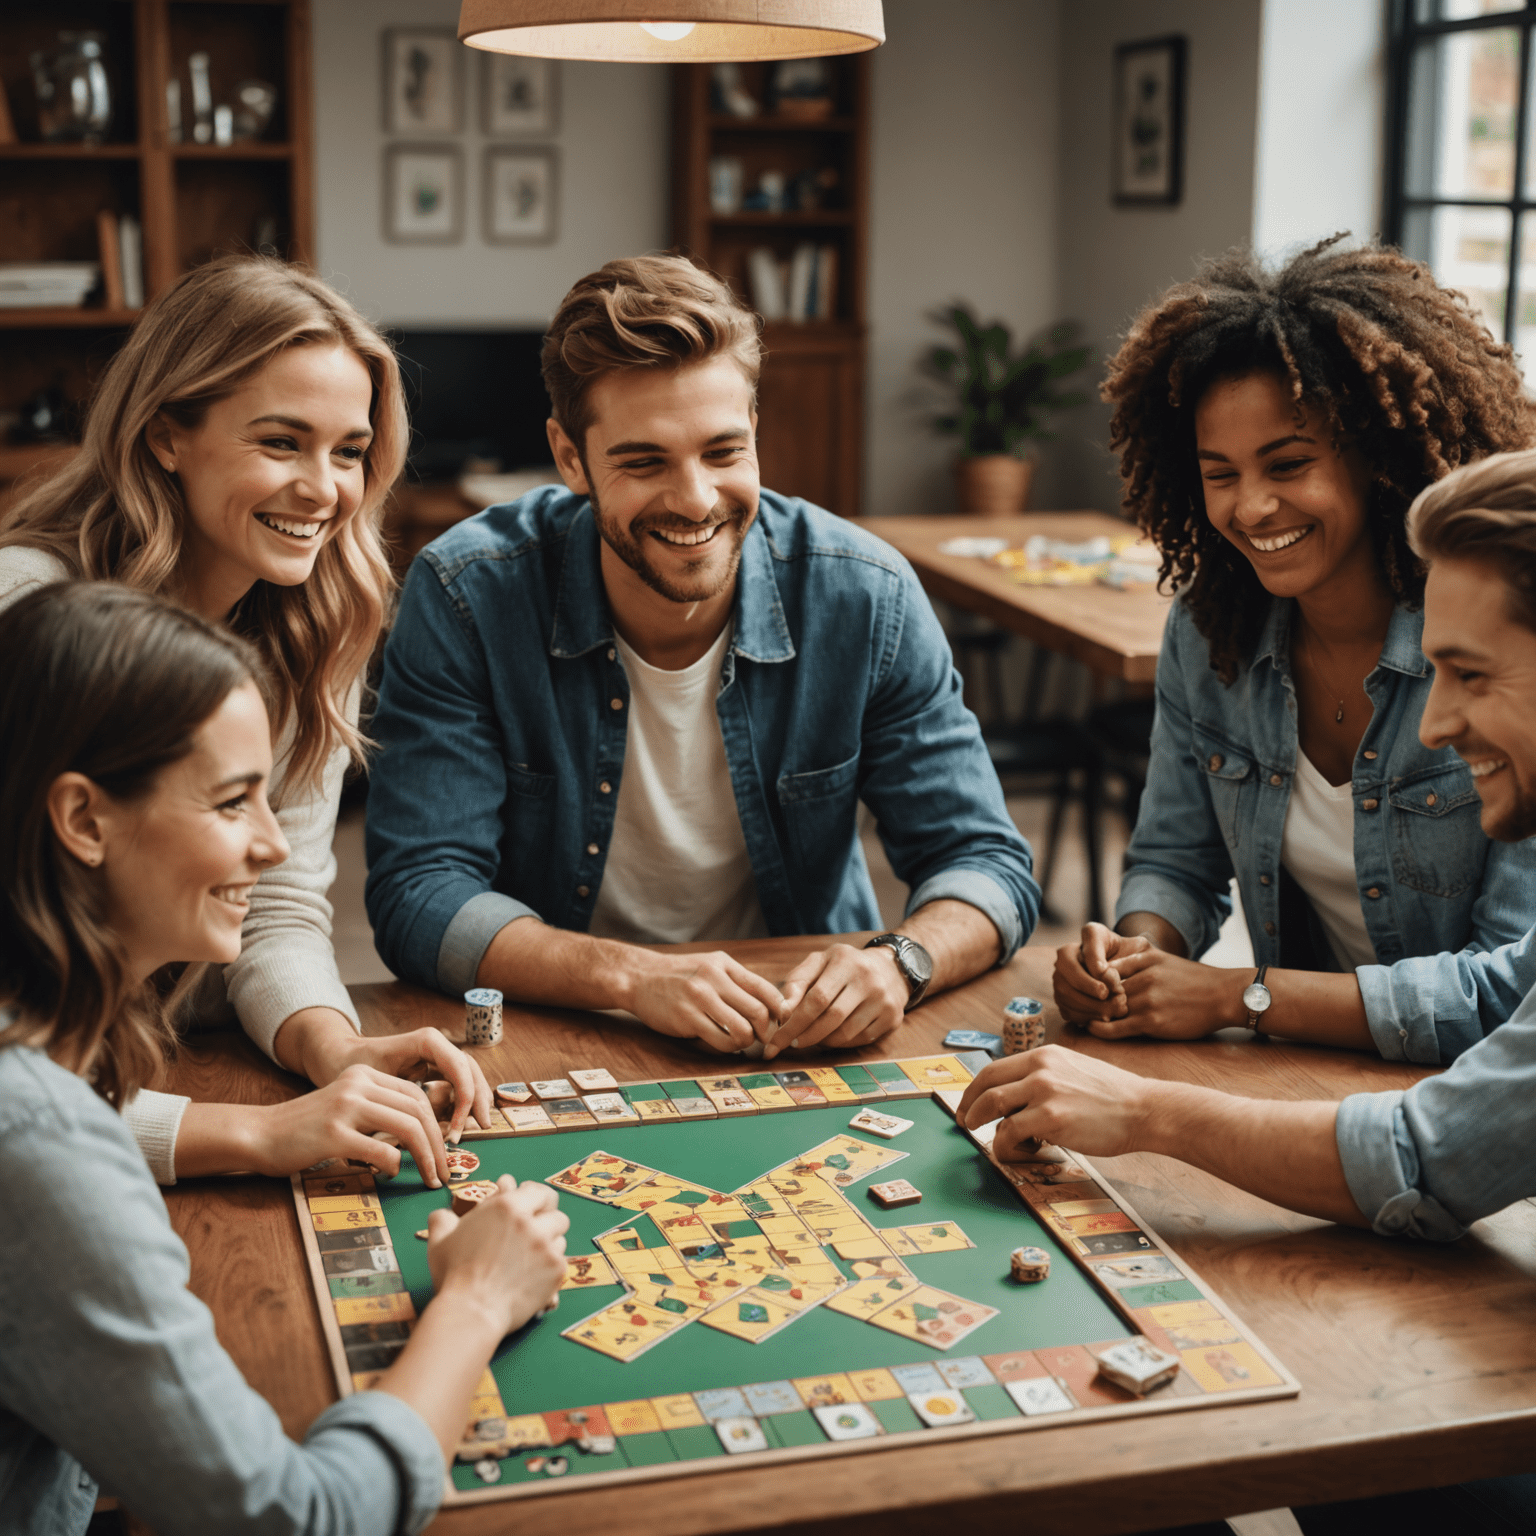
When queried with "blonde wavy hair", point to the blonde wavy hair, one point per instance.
{"points": [[114, 513]]}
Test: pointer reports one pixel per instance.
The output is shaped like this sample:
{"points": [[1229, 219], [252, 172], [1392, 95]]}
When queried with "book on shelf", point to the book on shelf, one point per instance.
{"points": [[802, 288], [130, 237], [111, 259], [46, 284]]}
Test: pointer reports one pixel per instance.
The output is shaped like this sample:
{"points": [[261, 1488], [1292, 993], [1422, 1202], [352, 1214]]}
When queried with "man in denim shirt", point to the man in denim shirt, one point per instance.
{"points": [[645, 708], [1423, 1163]]}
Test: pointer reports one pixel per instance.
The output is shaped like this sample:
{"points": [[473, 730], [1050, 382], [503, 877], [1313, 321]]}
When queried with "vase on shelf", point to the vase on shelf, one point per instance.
{"points": [[993, 484], [73, 99]]}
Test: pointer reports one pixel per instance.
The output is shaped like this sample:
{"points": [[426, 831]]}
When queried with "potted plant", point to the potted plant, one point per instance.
{"points": [[1002, 402]]}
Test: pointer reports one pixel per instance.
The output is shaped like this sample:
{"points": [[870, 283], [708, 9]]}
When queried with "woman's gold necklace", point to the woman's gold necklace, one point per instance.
{"points": [[1338, 717]]}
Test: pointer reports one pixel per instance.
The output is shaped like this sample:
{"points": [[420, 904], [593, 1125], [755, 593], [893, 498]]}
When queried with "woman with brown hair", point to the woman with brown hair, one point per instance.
{"points": [[236, 457], [134, 825], [1274, 428]]}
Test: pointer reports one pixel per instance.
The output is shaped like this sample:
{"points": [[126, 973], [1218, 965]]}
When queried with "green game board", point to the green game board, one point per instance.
{"points": [[662, 1397]]}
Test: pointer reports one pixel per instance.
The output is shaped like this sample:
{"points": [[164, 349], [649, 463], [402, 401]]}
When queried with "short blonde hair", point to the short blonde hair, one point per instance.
{"points": [[1484, 512], [642, 312]]}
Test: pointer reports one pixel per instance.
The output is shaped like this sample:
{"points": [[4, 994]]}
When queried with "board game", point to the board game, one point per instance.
{"points": [[781, 1265]]}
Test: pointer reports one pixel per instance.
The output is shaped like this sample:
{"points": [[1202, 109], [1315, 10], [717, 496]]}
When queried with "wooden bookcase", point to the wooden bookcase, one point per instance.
{"points": [[811, 398], [193, 200]]}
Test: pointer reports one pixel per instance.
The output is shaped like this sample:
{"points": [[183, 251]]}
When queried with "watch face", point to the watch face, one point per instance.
{"points": [[919, 963], [1256, 997]]}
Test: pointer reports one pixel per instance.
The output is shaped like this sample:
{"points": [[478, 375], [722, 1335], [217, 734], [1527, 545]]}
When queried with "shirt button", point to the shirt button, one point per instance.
{"points": [[1402, 1034], [615, 703], [1215, 762], [1431, 798], [1369, 805], [1374, 892], [1269, 928], [1263, 879], [582, 891], [612, 654], [591, 847], [1370, 754], [605, 788], [1276, 778]]}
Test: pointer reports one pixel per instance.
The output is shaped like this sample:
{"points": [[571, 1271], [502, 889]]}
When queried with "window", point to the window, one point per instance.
{"points": [[1462, 177]]}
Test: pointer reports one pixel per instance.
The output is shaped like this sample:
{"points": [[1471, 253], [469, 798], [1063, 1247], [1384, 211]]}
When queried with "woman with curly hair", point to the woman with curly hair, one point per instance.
{"points": [[236, 458], [1274, 428]]}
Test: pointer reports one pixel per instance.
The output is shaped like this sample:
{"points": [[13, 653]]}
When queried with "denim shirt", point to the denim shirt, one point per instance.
{"points": [[503, 719], [111, 1374], [1430, 1161], [1443, 905]]}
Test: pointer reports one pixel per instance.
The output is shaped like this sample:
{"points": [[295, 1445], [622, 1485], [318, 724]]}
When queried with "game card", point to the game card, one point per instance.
{"points": [[587, 1270], [624, 1330], [602, 1176], [753, 1315], [864, 1298], [933, 1317], [933, 1237]]}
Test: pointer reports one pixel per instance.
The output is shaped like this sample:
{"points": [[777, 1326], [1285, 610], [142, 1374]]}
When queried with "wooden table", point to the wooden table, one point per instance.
{"points": [[1417, 1361], [1116, 634]]}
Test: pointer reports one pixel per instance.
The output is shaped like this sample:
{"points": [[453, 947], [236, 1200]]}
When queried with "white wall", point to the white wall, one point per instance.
{"points": [[614, 148], [1321, 121], [963, 206]]}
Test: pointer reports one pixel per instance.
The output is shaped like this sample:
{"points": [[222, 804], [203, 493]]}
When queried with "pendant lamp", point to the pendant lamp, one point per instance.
{"points": [[672, 31]]}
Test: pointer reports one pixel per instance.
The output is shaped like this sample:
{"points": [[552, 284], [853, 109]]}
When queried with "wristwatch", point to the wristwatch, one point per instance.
{"points": [[1256, 999], [912, 960]]}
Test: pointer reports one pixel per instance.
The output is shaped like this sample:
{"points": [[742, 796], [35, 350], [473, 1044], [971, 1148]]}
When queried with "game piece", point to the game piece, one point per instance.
{"points": [[895, 1193], [421, 1232], [800, 1087], [690, 1100], [610, 1108], [1023, 1025], [568, 1113], [594, 1080], [1136, 1365], [1038, 1395], [554, 1088], [938, 1409], [894, 1082], [766, 1091], [488, 1471], [460, 1165], [482, 1016], [536, 1463], [556, 1466], [847, 1421], [969, 1371], [1029, 1265], [467, 1196], [728, 1096], [529, 1119], [860, 1082], [739, 1436], [877, 1123], [974, 1040], [513, 1093]]}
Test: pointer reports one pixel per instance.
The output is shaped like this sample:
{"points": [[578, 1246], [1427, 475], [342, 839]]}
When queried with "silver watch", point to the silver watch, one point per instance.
{"points": [[1256, 999]]}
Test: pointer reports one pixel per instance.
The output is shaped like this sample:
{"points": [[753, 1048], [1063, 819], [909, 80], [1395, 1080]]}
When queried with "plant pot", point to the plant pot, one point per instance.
{"points": [[993, 484]]}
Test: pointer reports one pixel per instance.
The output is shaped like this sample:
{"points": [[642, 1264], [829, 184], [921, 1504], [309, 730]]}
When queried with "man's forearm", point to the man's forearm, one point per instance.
{"points": [[961, 939], [1283, 1152], [535, 963]]}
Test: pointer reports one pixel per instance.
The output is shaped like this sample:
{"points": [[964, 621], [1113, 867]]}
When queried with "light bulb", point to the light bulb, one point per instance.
{"points": [[667, 31]]}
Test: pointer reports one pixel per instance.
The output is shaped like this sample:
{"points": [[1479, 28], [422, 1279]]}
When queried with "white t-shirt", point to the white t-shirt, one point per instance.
{"points": [[677, 868], [1317, 847]]}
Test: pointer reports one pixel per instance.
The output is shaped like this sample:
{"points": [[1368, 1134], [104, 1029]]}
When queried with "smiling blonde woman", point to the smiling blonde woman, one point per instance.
{"points": [[236, 458]]}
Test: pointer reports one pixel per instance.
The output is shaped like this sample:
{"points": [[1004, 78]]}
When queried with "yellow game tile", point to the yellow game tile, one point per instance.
{"points": [[325, 1204], [1175, 1314], [364, 1381], [586, 1270], [489, 1406], [875, 1386], [678, 1411], [935, 1072], [824, 1391], [930, 1316], [866, 1247], [867, 1297], [486, 1386], [624, 1330], [772, 1097], [656, 1109], [393, 1308], [342, 1221], [1229, 1368], [751, 1315], [935, 1237], [1089, 1226], [1065, 1208], [527, 1431], [831, 1085], [638, 1417], [340, 1184]]}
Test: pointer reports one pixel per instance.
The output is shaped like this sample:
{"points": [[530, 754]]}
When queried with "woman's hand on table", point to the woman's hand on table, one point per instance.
{"points": [[1171, 998], [1087, 982], [507, 1256]]}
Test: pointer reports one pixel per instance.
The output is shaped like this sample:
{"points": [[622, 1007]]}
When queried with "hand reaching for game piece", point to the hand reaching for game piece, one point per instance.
{"points": [[710, 998], [507, 1256], [840, 997]]}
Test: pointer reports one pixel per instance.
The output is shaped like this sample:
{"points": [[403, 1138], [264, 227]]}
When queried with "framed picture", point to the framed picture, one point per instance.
{"points": [[522, 193], [521, 95], [1148, 143], [423, 81], [423, 194]]}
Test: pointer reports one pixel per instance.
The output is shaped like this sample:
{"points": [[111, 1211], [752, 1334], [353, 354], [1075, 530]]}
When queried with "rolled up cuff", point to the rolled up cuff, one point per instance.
{"points": [[1149, 893], [980, 891], [154, 1121], [402, 1436], [469, 935], [1381, 1167], [1401, 1021]]}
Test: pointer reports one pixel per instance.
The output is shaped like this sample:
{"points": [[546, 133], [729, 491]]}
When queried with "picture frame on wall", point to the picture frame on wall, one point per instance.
{"points": [[1147, 148], [423, 80], [522, 195], [521, 95], [423, 194]]}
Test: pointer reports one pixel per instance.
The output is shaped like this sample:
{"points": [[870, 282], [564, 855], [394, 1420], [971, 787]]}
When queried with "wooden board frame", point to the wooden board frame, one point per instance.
{"points": [[1031, 1195]]}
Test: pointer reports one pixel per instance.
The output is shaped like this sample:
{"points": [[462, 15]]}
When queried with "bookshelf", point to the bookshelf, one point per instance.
{"points": [[194, 201], [811, 398]]}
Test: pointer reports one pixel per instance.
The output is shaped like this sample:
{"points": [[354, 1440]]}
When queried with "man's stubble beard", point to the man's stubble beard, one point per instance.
{"points": [[633, 550]]}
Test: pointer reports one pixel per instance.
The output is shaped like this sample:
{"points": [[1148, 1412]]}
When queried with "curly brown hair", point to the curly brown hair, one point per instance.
{"points": [[1401, 368]]}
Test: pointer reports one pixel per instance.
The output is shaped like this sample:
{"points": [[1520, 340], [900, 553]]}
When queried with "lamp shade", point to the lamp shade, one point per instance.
{"points": [[672, 31]]}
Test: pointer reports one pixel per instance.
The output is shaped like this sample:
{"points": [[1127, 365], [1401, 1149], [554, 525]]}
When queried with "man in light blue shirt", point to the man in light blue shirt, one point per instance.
{"points": [[1429, 1161]]}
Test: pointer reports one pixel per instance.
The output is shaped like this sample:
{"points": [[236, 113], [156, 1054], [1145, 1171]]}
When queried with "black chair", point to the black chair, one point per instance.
{"points": [[1123, 734]]}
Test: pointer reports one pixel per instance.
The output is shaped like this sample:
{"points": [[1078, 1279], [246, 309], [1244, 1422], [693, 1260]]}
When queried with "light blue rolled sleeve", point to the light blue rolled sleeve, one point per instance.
{"points": [[982, 892], [469, 935], [1430, 1161], [111, 1373]]}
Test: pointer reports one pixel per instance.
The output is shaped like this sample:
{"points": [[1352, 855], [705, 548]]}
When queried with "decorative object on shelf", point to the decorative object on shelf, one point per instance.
{"points": [[725, 182], [521, 95], [45, 417], [801, 90], [255, 102], [423, 194], [173, 111], [1000, 402], [74, 103], [202, 99], [728, 96], [521, 195], [1148, 152], [422, 89], [800, 289], [223, 125], [695, 31]]}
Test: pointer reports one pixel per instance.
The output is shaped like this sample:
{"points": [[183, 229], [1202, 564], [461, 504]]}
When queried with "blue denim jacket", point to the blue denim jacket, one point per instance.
{"points": [[111, 1374], [1443, 905], [502, 720]]}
